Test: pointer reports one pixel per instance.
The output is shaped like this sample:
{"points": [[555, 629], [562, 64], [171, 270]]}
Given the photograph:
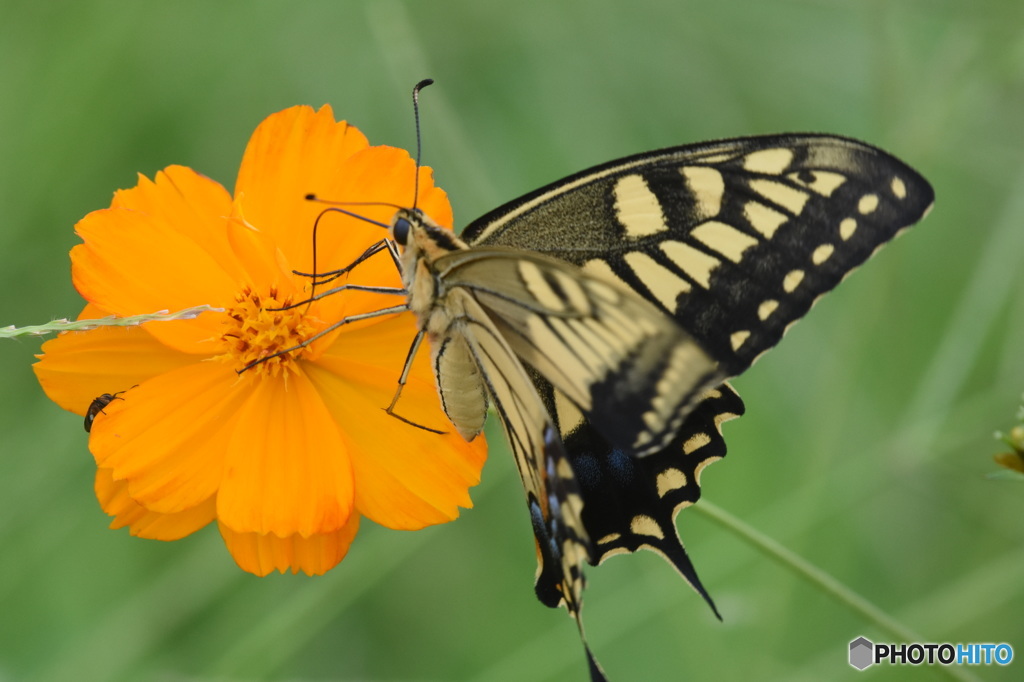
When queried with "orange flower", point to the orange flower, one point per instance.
{"points": [[288, 455]]}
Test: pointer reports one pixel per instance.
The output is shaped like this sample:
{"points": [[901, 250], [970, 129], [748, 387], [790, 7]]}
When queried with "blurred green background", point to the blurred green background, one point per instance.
{"points": [[869, 430]]}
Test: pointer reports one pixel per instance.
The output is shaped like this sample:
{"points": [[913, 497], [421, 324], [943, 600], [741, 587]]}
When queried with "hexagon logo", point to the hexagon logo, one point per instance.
{"points": [[861, 653]]}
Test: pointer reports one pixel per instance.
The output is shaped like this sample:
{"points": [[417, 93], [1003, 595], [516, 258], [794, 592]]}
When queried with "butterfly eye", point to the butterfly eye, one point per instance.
{"points": [[400, 231]]}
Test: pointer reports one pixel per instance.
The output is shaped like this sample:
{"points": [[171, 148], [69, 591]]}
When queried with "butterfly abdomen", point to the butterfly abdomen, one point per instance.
{"points": [[459, 382]]}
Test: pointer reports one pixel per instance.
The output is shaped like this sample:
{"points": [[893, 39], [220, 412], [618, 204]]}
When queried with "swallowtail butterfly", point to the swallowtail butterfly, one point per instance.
{"points": [[601, 316]]}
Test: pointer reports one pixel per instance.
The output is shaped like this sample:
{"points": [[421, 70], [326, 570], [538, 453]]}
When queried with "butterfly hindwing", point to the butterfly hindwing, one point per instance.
{"points": [[630, 503]]}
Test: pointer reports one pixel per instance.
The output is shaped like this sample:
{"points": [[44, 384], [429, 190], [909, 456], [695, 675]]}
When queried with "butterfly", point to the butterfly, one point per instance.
{"points": [[735, 240], [601, 316]]}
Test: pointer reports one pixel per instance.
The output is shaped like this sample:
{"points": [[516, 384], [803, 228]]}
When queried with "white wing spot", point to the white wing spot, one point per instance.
{"points": [[822, 253], [600, 269], [569, 416], [762, 218], [696, 264], [821, 182], [898, 188], [792, 280], [670, 479], [867, 204], [725, 239], [571, 331], [559, 343], [572, 291], [663, 284], [707, 186], [696, 442], [685, 367], [768, 161], [792, 200], [737, 339], [847, 227], [607, 340], [765, 310], [645, 525], [637, 209], [602, 290], [718, 158], [537, 285]]}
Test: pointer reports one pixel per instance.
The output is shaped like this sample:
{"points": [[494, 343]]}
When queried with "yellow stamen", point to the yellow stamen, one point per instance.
{"points": [[256, 331]]}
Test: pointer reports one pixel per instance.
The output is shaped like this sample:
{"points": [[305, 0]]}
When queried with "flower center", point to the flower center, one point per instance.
{"points": [[259, 333]]}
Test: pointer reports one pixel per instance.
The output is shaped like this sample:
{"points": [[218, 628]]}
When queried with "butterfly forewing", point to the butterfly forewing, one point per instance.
{"points": [[735, 239], [625, 364]]}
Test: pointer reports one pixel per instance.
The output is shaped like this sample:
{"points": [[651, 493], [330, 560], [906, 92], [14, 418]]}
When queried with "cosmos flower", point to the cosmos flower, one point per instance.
{"points": [[289, 455]]}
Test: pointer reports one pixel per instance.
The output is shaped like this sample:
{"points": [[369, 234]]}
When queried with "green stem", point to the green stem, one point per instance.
{"points": [[822, 580], [111, 321]]}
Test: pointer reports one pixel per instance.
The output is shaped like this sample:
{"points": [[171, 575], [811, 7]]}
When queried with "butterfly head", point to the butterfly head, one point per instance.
{"points": [[402, 224], [417, 234]]}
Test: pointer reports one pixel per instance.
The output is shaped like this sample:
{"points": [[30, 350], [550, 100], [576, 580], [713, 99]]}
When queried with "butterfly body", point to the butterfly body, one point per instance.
{"points": [[442, 312]]}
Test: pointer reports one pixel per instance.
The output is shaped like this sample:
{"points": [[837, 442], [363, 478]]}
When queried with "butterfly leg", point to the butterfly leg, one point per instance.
{"points": [[374, 249], [395, 291], [323, 278], [390, 409], [343, 321]]}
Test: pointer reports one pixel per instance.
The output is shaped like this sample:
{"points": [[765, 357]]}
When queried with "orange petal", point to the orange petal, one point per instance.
{"points": [[293, 153], [262, 553], [406, 477], [266, 266], [76, 367], [115, 501], [298, 152], [134, 262], [287, 467], [91, 311], [193, 204], [376, 174], [168, 437]]}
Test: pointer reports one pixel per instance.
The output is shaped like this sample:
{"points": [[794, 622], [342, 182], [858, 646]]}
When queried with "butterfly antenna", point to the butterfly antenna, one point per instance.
{"points": [[419, 138]]}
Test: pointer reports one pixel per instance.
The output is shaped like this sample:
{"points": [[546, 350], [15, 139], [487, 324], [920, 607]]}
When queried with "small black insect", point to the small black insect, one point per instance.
{"points": [[97, 406]]}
